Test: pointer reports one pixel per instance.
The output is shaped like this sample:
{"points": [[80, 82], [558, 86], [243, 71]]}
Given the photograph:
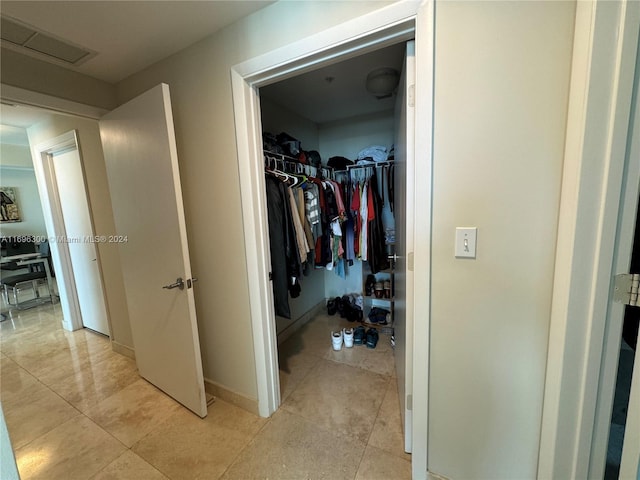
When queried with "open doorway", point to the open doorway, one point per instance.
{"points": [[56, 168], [21, 225], [370, 33], [333, 131]]}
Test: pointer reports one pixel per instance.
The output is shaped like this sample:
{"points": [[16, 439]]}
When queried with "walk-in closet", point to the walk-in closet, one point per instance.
{"points": [[336, 201]]}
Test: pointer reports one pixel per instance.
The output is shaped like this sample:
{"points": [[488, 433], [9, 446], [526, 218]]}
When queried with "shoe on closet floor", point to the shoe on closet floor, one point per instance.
{"points": [[347, 334], [336, 340], [359, 335], [372, 338], [332, 306]]}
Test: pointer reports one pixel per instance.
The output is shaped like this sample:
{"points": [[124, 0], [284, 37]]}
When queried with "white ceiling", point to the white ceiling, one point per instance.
{"points": [[131, 35], [128, 35]]}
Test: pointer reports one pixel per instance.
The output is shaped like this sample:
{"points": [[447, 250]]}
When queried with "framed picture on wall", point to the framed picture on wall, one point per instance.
{"points": [[9, 209]]}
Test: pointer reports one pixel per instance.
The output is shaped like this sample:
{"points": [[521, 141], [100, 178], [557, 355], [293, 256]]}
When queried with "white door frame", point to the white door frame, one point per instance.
{"points": [[54, 221], [605, 43], [389, 25]]}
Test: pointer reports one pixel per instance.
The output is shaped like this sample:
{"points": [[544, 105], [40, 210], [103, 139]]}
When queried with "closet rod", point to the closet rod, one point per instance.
{"points": [[280, 156], [297, 167], [369, 165]]}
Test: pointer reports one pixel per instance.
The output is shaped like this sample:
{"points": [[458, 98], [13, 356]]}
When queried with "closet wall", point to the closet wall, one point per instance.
{"points": [[345, 138], [277, 118]]}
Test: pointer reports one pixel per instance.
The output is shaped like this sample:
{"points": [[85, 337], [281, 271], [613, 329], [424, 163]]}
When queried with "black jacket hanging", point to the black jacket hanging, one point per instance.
{"points": [[285, 258]]}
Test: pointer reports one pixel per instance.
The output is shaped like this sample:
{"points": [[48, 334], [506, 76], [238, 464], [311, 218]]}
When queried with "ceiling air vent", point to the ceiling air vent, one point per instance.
{"points": [[27, 39]]}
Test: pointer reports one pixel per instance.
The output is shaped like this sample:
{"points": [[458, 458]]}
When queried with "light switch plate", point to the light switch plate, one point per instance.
{"points": [[466, 238]]}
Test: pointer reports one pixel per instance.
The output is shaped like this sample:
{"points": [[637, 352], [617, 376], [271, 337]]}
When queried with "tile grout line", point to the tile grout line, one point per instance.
{"points": [[373, 427], [79, 413], [248, 444], [37, 379]]}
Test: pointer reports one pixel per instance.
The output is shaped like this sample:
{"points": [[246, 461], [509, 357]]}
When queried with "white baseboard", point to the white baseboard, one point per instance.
{"points": [[235, 398], [435, 476], [123, 350]]}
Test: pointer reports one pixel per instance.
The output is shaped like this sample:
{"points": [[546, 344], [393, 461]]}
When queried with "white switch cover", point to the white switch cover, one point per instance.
{"points": [[466, 242]]}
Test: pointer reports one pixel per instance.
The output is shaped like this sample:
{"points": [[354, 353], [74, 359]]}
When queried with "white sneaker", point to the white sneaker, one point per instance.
{"points": [[336, 340], [347, 333]]}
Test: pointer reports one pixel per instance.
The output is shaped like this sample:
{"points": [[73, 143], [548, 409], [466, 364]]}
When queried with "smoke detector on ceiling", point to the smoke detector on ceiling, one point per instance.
{"points": [[381, 82], [23, 38]]}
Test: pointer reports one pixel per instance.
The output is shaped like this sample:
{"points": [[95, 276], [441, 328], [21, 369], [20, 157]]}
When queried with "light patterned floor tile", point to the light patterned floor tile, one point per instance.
{"points": [[188, 447], [290, 448], [333, 404], [339, 398], [293, 369], [77, 449], [387, 432], [95, 381], [380, 465], [33, 411], [129, 466], [134, 411]]}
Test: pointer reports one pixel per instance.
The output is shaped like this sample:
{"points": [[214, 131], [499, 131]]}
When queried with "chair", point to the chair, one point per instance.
{"points": [[30, 280]]}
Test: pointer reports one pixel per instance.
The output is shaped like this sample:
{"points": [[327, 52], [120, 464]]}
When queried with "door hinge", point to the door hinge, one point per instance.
{"points": [[409, 403], [410, 261], [625, 288], [270, 276], [411, 95]]}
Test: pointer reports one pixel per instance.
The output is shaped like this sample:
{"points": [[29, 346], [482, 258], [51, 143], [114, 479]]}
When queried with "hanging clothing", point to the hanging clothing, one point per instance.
{"points": [[337, 191], [300, 203], [364, 224], [357, 224], [312, 209], [286, 267], [301, 239], [331, 201], [390, 185], [377, 250]]}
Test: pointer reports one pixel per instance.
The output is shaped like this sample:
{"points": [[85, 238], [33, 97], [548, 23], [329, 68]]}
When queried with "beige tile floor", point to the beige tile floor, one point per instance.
{"points": [[77, 410]]}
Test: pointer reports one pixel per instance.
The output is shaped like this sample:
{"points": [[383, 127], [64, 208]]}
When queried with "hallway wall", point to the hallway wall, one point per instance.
{"points": [[501, 96], [100, 205], [200, 85]]}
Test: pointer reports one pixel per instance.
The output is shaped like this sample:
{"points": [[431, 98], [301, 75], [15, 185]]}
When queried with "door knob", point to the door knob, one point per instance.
{"points": [[179, 283]]}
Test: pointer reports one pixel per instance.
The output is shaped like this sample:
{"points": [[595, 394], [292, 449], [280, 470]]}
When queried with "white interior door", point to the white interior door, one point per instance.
{"points": [[615, 316], [403, 211], [630, 463], [142, 167], [69, 179]]}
